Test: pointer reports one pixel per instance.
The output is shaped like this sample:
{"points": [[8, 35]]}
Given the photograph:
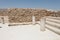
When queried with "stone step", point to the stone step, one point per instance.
{"points": [[56, 30], [53, 23], [56, 18], [53, 20]]}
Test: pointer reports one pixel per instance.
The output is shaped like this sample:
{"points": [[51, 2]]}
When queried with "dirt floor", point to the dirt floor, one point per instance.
{"points": [[26, 32]]}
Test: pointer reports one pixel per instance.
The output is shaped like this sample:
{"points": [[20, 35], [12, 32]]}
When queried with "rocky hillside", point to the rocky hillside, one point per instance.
{"points": [[17, 15]]}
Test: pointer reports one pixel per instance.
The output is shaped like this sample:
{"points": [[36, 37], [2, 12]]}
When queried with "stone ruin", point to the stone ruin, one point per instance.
{"points": [[20, 15]]}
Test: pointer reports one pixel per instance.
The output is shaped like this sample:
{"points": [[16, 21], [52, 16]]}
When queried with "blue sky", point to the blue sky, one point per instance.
{"points": [[49, 4]]}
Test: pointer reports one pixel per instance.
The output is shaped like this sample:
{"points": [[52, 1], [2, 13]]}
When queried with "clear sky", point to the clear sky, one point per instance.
{"points": [[50, 4]]}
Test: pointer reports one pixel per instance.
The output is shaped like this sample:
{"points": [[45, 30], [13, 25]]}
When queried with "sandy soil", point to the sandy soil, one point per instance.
{"points": [[26, 32]]}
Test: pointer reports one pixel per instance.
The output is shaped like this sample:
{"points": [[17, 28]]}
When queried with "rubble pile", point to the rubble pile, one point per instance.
{"points": [[18, 15]]}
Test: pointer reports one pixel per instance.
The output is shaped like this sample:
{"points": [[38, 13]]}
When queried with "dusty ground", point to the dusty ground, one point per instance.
{"points": [[26, 32]]}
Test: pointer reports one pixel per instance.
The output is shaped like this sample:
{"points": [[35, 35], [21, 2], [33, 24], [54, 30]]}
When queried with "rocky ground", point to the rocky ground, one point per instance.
{"points": [[17, 15]]}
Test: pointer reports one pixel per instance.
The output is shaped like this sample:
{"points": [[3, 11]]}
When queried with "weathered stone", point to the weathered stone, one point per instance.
{"points": [[17, 15]]}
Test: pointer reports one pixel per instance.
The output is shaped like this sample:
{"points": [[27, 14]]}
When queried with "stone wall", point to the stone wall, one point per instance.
{"points": [[18, 15]]}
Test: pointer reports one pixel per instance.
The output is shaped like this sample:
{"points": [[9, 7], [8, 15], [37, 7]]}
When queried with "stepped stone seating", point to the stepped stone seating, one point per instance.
{"points": [[51, 23]]}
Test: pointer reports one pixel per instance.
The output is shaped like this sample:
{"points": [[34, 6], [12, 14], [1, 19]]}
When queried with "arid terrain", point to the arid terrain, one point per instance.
{"points": [[18, 15]]}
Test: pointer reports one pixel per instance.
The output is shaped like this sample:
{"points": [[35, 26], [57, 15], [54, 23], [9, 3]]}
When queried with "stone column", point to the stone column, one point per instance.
{"points": [[42, 24], [33, 19], [6, 19]]}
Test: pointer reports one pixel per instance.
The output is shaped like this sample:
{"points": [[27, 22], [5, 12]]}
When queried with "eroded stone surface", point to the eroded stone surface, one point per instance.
{"points": [[17, 15]]}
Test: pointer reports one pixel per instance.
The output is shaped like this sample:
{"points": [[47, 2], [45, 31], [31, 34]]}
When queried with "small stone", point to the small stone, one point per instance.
{"points": [[0, 27]]}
